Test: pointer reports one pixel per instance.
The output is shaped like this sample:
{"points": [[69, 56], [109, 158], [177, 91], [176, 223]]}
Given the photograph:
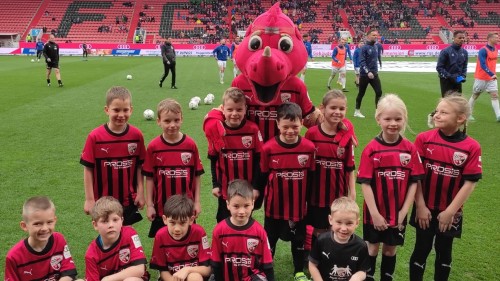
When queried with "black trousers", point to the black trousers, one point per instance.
{"points": [[166, 68], [449, 85], [363, 84]]}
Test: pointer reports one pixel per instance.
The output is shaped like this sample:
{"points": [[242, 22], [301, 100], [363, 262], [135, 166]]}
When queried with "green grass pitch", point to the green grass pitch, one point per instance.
{"points": [[43, 130]]}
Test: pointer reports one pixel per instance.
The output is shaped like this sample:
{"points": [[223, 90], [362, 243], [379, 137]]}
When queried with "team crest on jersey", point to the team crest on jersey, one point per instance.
{"points": [[124, 255], [186, 157], [405, 159], [132, 147], [302, 159], [252, 244], [247, 141], [285, 97], [192, 251], [338, 272], [55, 262], [340, 152], [459, 158]]}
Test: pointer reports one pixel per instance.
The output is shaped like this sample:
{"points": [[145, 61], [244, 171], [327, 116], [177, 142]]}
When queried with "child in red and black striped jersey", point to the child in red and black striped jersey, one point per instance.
{"points": [[172, 165], [44, 255], [240, 248], [112, 158], [333, 178], [240, 157], [116, 253], [452, 165], [388, 172], [287, 162], [181, 250]]}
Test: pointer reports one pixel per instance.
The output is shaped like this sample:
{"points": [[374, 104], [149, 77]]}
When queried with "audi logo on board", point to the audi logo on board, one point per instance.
{"points": [[123, 46], [432, 47], [469, 47], [394, 47], [199, 47], [89, 46]]}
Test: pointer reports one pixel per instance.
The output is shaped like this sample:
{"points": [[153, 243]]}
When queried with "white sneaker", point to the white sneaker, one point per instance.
{"points": [[222, 81], [498, 118], [430, 122], [471, 118], [357, 113]]}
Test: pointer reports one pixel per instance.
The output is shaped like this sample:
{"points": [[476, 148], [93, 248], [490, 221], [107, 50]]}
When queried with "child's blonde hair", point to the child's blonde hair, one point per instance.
{"points": [[168, 105], [37, 203], [460, 104], [333, 94], [235, 94], [389, 102], [344, 204], [106, 206], [117, 92]]}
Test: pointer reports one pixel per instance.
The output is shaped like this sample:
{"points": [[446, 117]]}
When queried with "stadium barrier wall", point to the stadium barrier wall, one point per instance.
{"points": [[202, 50]]}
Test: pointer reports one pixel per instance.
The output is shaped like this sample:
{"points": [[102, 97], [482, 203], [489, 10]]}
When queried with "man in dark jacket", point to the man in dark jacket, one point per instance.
{"points": [[368, 71], [452, 65], [51, 54], [451, 68], [168, 57]]}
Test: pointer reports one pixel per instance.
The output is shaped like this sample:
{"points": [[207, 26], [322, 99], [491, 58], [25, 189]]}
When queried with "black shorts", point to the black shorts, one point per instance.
{"points": [[455, 230], [131, 215], [285, 230], [52, 64], [392, 236], [318, 217], [222, 211], [156, 225]]}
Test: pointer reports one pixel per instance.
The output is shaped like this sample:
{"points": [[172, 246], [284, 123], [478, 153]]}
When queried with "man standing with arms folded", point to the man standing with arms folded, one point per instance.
{"points": [[51, 54], [168, 57], [451, 68], [368, 71], [485, 75]]}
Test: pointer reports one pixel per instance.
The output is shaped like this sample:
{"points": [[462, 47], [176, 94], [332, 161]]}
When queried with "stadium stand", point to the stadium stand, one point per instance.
{"points": [[206, 21]]}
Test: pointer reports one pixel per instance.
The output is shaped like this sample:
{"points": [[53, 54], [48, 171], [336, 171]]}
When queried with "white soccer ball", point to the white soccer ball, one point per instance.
{"points": [[193, 104], [32, 60], [149, 114], [129, 77], [208, 100], [197, 99], [211, 96]]}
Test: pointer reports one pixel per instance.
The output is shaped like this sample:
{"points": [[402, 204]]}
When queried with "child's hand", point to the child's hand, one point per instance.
{"points": [[197, 209], [88, 205], [216, 192], [401, 220], [151, 213], [423, 217], [139, 201], [379, 223], [181, 275], [445, 219]]}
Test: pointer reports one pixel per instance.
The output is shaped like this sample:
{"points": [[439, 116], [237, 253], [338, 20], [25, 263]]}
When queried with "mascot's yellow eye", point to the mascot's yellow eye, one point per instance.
{"points": [[286, 44], [254, 43]]}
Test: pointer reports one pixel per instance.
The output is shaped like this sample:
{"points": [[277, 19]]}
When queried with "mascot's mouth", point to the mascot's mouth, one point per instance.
{"points": [[265, 93]]}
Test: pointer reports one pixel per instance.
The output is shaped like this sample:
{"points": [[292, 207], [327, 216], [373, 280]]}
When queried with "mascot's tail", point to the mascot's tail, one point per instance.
{"points": [[346, 134]]}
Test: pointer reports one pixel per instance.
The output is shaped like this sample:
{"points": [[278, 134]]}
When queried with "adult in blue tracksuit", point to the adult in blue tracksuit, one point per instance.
{"points": [[39, 49], [368, 71], [355, 61], [221, 53], [452, 65], [307, 44]]}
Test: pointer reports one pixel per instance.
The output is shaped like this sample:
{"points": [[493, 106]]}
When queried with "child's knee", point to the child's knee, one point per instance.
{"points": [[194, 277], [388, 250]]}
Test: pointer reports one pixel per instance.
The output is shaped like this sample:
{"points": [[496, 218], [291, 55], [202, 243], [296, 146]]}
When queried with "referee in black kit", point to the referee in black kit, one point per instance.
{"points": [[168, 57], [51, 54]]}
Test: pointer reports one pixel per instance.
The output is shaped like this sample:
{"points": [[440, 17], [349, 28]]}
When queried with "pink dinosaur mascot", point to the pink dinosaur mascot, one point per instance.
{"points": [[269, 58]]}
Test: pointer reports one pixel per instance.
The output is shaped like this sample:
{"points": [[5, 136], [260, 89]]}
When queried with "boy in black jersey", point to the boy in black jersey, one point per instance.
{"points": [[340, 254]]}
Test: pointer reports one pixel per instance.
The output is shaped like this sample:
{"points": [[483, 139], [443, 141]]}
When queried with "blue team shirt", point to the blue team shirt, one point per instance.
{"points": [[355, 57], [309, 50], [482, 55], [222, 52], [39, 46]]}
